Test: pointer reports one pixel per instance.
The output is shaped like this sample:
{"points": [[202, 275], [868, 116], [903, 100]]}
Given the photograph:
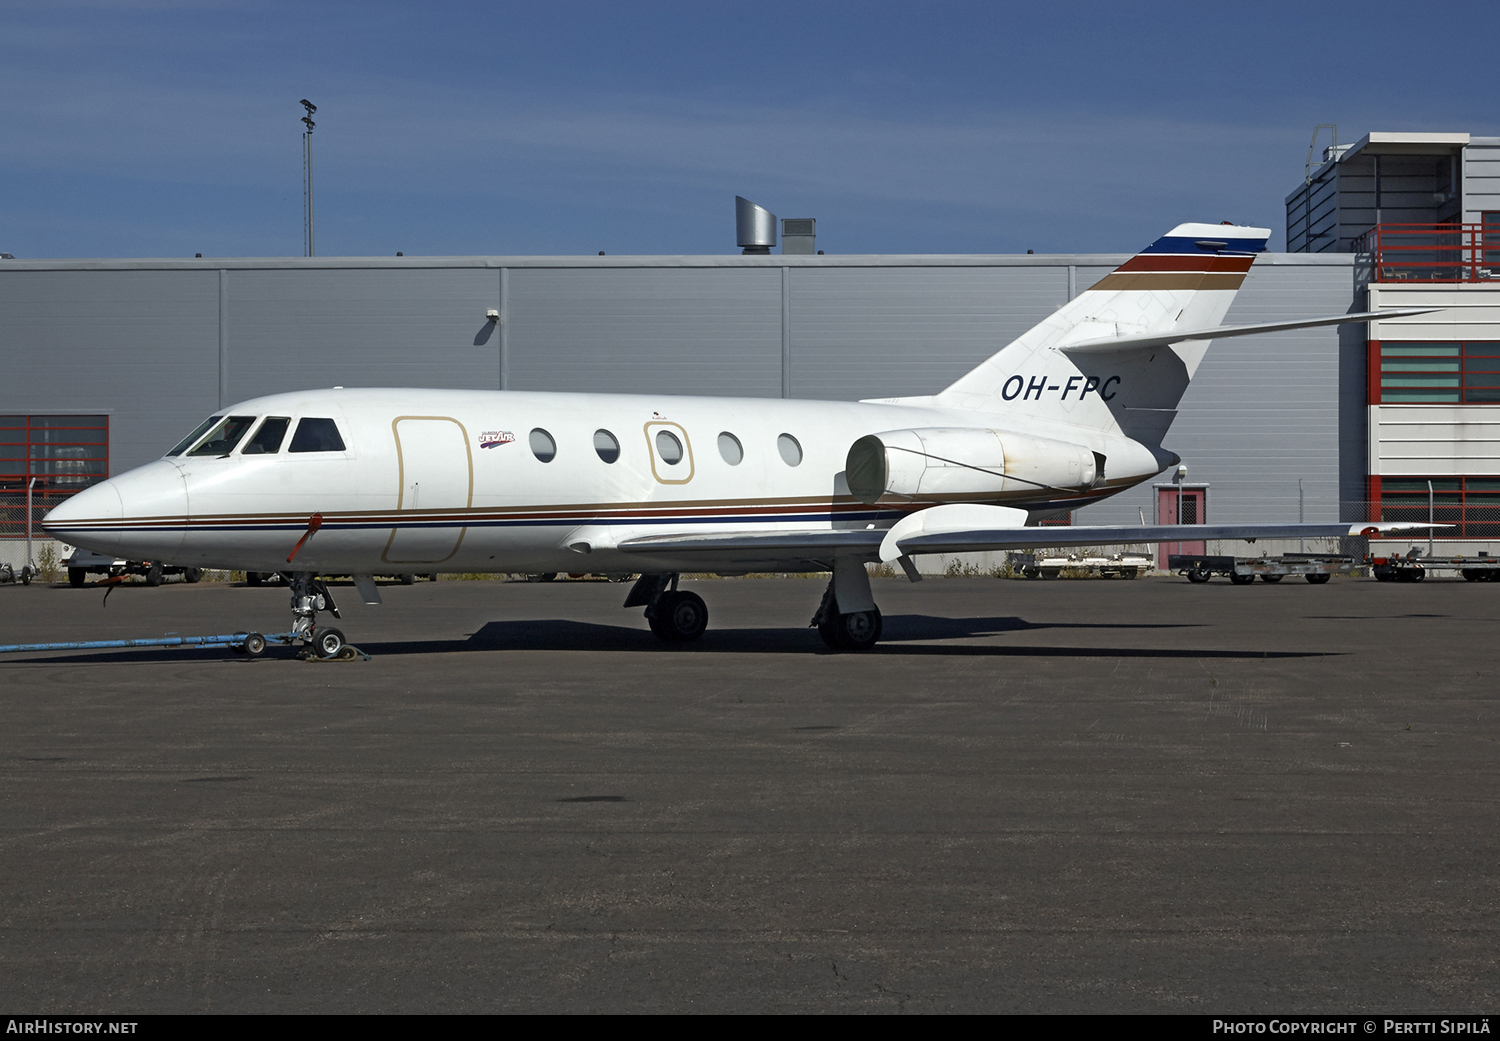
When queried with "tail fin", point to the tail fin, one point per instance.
{"points": [[1184, 281]]}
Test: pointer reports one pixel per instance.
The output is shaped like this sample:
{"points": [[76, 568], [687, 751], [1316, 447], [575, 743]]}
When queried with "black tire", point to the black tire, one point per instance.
{"points": [[153, 573], [1197, 575], [328, 641], [1239, 579], [76, 576], [1382, 575], [254, 646], [546, 576], [1418, 574], [856, 631], [432, 578], [26, 576], [193, 575], [1318, 578], [680, 617], [408, 580], [1273, 579], [252, 578]]}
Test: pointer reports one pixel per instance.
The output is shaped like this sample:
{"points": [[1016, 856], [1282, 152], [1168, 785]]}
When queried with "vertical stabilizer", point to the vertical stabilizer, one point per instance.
{"points": [[1184, 280]]}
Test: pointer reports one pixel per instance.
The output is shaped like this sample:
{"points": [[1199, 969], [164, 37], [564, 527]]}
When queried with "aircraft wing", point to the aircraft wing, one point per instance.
{"points": [[1140, 341], [1111, 535], [964, 529]]}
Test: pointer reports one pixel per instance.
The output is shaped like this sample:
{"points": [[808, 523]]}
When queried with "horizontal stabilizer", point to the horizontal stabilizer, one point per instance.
{"points": [[1141, 341]]}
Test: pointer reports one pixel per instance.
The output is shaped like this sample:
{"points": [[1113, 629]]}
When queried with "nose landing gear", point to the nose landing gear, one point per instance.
{"points": [[309, 596]]}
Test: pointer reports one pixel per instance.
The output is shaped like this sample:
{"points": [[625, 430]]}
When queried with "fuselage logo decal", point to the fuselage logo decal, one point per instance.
{"points": [[494, 438]]}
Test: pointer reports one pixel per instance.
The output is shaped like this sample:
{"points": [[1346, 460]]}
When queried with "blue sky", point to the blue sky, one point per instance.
{"points": [[159, 128]]}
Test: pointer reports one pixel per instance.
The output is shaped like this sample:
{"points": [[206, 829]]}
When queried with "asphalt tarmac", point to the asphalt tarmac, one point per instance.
{"points": [[1067, 796]]}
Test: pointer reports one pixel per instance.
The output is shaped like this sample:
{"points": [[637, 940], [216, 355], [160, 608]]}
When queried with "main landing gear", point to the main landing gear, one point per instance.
{"points": [[675, 615], [847, 619], [846, 630]]}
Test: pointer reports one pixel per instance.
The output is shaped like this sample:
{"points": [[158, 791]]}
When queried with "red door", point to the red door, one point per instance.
{"points": [[1192, 513]]}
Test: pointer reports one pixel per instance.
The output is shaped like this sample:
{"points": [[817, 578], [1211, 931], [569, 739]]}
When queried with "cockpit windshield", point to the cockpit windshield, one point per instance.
{"points": [[225, 436], [267, 440], [187, 442]]}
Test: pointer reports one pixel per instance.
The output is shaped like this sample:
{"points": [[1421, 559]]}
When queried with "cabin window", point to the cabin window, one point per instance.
{"points": [[317, 435], [191, 439], [731, 449], [668, 447], [542, 445], [225, 436], [606, 445], [790, 449], [267, 440]]}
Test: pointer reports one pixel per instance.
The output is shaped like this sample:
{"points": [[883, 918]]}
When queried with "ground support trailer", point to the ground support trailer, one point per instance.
{"points": [[83, 563], [1121, 565], [1315, 568], [1414, 566]]}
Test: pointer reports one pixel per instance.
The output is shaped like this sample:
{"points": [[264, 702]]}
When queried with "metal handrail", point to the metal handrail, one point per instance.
{"points": [[1432, 252]]}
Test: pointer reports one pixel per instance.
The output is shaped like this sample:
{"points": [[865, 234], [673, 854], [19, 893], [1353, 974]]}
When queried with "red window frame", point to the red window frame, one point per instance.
{"points": [[63, 454]]}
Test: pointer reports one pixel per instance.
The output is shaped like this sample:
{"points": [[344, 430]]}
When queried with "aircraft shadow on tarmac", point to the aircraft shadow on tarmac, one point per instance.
{"points": [[904, 634]]}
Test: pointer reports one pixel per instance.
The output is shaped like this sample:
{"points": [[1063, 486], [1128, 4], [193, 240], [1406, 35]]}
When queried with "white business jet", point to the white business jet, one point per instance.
{"points": [[370, 481]]}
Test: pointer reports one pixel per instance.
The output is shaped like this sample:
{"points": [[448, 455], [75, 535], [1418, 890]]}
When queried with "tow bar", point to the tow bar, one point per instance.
{"points": [[325, 645]]}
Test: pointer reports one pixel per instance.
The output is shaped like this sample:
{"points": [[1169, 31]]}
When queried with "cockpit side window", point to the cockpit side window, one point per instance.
{"points": [[225, 436], [317, 435], [267, 440], [187, 442]]}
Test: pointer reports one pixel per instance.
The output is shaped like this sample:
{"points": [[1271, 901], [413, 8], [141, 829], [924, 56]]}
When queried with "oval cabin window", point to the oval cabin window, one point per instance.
{"points": [[790, 449], [542, 445], [731, 449], [668, 447], [606, 445]]}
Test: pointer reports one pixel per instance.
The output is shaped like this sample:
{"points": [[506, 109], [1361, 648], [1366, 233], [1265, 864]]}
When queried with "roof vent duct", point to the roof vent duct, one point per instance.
{"points": [[755, 226], [799, 236]]}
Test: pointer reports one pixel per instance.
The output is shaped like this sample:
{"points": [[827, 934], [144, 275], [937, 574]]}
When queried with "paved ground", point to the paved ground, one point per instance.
{"points": [[1036, 796]]}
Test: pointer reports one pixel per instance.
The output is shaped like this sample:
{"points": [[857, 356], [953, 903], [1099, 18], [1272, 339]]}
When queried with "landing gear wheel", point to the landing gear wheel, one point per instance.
{"points": [[546, 576], [26, 575], [680, 617], [153, 573], [252, 578], [1239, 579], [1273, 579], [1317, 579], [856, 631], [408, 580], [193, 575], [1197, 575], [327, 642], [75, 577], [255, 645]]}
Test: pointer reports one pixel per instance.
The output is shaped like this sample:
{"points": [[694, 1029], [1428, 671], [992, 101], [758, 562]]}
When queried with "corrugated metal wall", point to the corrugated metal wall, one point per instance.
{"points": [[149, 343], [1481, 178]]}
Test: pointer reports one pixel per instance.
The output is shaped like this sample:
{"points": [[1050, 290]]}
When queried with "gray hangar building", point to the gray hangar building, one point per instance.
{"points": [[110, 362]]}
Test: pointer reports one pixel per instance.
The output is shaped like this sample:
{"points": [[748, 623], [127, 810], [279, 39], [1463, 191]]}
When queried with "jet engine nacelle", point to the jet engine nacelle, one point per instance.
{"points": [[951, 462]]}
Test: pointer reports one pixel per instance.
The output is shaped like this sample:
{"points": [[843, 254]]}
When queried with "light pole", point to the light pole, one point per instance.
{"points": [[1177, 479], [307, 192]]}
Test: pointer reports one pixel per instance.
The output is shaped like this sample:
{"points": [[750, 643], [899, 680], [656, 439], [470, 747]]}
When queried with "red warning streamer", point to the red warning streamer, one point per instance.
{"points": [[313, 524]]}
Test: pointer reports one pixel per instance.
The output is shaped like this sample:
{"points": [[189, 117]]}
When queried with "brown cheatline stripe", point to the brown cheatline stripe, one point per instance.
{"points": [[1147, 280], [1167, 262]]}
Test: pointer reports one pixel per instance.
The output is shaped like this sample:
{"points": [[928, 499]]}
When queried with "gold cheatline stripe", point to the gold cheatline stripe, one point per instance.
{"points": [[1171, 280]]}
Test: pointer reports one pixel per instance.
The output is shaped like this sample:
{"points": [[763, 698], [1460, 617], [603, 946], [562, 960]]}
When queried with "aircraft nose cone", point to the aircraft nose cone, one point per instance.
{"points": [[138, 515], [89, 520]]}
